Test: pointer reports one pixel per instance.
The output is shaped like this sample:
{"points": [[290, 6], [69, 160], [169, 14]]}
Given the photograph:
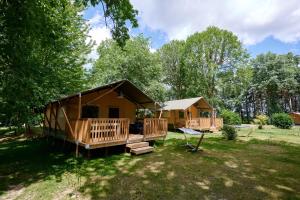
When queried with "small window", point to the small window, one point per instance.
{"points": [[202, 113], [181, 114], [166, 114], [90, 112]]}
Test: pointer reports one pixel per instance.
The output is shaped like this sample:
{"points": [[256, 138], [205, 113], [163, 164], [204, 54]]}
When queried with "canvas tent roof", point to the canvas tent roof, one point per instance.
{"points": [[181, 104], [130, 91]]}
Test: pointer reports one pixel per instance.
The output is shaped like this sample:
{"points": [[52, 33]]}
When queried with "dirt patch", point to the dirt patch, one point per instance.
{"points": [[13, 192], [11, 138]]}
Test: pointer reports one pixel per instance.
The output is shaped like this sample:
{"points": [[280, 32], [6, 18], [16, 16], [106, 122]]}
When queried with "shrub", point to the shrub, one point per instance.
{"points": [[229, 132], [261, 120], [282, 120], [231, 118]]}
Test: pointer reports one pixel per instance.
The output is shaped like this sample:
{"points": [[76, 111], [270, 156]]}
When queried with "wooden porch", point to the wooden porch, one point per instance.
{"points": [[104, 132], [202, 123]]}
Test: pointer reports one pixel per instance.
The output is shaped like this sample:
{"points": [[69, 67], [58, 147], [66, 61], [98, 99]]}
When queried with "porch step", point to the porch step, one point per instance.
{"points": [[137, 145], [142, 150], [135, 138]]}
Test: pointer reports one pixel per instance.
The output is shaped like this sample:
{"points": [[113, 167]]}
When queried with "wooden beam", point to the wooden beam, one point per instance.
{"points": [[67, 119], [76, 124], [109, 91], [46, 117], [44, 121], [55, 117], [49, 128]]}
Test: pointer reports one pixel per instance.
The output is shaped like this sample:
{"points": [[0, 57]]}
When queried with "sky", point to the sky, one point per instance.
{"points": [[261, 25]]}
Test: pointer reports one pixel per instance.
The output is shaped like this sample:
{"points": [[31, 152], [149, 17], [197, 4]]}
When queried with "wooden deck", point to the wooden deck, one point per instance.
{"points": [[95, 133], [204, 123]]}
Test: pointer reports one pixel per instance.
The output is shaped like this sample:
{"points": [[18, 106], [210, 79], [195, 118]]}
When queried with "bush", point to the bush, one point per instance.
{"points": [[231, 118], [282, 120], [261, 120], [229, 132]]}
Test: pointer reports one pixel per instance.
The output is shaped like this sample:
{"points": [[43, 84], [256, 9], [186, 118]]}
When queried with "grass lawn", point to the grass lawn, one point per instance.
{"points": [[263, 165]]}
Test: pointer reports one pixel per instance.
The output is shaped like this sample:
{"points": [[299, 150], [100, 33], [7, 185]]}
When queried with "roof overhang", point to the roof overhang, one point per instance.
{"points": [[183, 104], [130, 91]]}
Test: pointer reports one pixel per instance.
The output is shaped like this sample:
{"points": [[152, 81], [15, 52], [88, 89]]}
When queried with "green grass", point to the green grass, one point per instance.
{"points": [[250, 168]]}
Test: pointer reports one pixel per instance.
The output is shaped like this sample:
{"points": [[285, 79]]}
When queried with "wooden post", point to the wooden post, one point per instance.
{"points": [[55, 119], [49, 128], [76, 124], [160, 114], [44, 124], [213, 117]]}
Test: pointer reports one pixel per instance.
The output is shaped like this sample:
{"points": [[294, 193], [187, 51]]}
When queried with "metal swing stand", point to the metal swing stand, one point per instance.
{"points": [[192, 147]]}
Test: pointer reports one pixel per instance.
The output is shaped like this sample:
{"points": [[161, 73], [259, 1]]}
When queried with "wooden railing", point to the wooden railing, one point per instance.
{"points": [[101, 130], [154, 127], [219, 123], [203, 123], [198, 123]]}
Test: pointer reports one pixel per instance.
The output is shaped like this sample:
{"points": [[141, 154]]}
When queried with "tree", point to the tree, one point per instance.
{"points": [[171, 57], [206, 54], [116, 13], [233, 89], [134, 62], [275, 86], [43, 50]]}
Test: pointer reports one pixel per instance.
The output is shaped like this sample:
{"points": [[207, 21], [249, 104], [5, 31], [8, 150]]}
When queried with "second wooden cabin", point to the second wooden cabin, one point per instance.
{"points": [[195, 113], [296, 117]]}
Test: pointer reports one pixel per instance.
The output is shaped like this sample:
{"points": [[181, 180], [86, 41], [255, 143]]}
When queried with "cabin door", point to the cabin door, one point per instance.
{"points": [[113, 113]]}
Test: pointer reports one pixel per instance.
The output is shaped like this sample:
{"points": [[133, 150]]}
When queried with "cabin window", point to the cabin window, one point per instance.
{"points": [[166, 114], [181, 114], [113, 113], [90, 112], [202, 113]]}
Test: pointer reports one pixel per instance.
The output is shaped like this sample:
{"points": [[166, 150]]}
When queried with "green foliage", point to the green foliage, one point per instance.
{"points": [[261, 120], [116, 14], [134, 62], [229, 132], [275, 82], [282, 120], [175, 72], [207, 54], [41, 56], [230, 118]]}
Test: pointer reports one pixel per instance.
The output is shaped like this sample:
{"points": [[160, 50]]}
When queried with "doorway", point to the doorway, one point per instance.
{"points": [[113, 112]]}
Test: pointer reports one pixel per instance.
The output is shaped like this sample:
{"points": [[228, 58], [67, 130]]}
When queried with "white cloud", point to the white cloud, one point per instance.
{"points": [[251, 20], [152, 50], [98, 33]]}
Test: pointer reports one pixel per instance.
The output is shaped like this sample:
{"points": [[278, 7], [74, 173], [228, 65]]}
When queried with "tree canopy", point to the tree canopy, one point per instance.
{"points": [[43, 50], [134, 62]]}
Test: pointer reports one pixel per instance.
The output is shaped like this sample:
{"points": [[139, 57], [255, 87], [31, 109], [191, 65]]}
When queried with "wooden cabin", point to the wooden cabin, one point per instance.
{"points": [[105, 116], [195, 113], [296, 117]]}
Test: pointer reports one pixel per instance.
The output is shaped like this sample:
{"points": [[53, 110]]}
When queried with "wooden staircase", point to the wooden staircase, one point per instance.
{"points": [[137, 146]]}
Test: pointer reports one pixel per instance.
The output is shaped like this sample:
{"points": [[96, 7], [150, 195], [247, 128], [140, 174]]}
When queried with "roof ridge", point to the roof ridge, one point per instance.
{"points": [[185, 99]]}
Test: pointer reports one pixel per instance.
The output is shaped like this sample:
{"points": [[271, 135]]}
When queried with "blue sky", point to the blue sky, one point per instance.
{"points": [[262, 26]]}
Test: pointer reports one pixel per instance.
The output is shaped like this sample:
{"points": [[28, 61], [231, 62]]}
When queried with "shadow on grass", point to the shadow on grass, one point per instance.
{"points": [[27, 161], [224, 170]]}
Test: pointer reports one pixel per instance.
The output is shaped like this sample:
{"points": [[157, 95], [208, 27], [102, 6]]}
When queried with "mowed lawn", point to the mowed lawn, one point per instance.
{"points": [[261, 164]]}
